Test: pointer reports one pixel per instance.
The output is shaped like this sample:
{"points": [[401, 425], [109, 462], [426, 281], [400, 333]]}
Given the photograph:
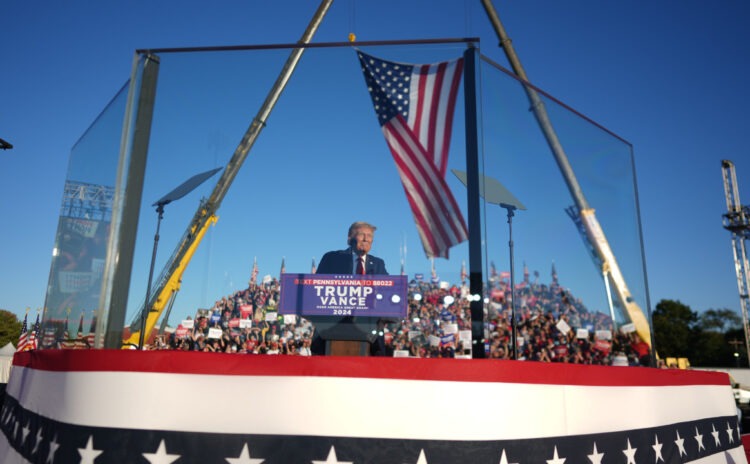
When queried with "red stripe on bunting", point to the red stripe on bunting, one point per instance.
{"points": [[459, 370]]}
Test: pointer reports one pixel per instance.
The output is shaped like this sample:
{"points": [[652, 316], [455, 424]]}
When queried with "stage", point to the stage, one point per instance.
{"points": [[69, 406]]}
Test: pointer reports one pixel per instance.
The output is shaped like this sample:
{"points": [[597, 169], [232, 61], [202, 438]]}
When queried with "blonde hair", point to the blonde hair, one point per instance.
{"points": [[359, 225]]}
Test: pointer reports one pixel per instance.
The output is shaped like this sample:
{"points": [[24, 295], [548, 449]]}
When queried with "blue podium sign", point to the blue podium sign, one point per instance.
{"points": [[343, 295]]}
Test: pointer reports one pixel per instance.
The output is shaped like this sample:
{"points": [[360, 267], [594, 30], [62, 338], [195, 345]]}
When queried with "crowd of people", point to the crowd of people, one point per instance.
{"points": [[552, 326]]}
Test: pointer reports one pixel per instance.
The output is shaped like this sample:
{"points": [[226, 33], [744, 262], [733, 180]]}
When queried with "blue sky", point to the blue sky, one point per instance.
{"points": [[668, 77]]}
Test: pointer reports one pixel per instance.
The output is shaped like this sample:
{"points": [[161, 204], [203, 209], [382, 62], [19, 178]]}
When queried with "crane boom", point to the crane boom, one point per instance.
{"points": [[205, 216], [737, 221], [594, 233]]}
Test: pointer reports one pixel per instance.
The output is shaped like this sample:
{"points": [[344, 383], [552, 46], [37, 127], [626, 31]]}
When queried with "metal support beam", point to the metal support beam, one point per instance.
{"points": [[472, 194], [113, 301], [737, 221]]}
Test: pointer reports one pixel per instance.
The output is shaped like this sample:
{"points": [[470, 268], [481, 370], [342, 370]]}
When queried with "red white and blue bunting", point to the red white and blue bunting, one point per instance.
{"points": [[101, 406]]}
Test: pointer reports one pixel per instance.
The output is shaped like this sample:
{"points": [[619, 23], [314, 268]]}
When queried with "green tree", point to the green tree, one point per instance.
{"points": [[711, 346], [702, 338], [720, 320], [10, 328], [674, 329], [711, 349]]}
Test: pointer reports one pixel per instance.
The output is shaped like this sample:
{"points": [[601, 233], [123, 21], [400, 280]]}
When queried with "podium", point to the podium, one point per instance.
{"points": [[344, 336], [348, 312], [347, 348]]}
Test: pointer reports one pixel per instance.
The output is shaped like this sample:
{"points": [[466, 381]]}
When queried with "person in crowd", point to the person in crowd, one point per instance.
{"points": [[423, 332], [641, 349]]}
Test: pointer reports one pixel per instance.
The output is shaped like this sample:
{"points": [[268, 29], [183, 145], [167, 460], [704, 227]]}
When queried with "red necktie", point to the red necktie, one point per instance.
{"points": [[360, 265]]}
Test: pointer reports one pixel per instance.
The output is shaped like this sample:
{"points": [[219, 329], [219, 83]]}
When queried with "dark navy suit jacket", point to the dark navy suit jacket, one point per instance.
{"points": [[342, 262]]}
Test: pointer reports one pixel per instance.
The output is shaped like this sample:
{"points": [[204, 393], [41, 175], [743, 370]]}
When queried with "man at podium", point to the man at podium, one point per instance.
{"points": [[350, 335], [357, 258]]}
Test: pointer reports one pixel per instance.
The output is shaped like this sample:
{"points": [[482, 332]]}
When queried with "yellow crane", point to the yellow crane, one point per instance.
{"points": [[169, 282], [582, 213]]}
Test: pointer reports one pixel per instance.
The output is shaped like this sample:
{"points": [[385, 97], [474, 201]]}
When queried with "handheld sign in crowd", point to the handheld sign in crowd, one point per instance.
{"points": [[343, 295]]}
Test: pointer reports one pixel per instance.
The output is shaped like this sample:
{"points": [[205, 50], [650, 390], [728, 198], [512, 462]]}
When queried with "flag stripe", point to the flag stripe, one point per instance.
{"points": [[428, 240], [436, 79], [447, 112], [416, 176], [412, 163], [418, 85], [469, 370], [429, 84]]}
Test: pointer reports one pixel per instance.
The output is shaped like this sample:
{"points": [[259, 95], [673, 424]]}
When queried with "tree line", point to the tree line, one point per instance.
{"points": [[713, 338]]}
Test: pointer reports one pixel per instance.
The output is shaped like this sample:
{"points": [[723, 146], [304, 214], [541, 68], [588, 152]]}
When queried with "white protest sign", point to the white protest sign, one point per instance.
{"points": [[188, 323], [434, 341], [603, 335], [582, 333], [271, 316], [627, 328], [214, 332], [450, 328], [563, 326], [464, 335], [400, 353], [246, 323]]}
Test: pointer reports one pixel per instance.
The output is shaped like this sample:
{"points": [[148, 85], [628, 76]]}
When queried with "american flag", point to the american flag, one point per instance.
{"points": [[23, 339], [91, 337], [254, 274], [314, 268], [65, 341], [80, 343], [48, 341], [33, 340], [434, 277], [414, 105]]}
